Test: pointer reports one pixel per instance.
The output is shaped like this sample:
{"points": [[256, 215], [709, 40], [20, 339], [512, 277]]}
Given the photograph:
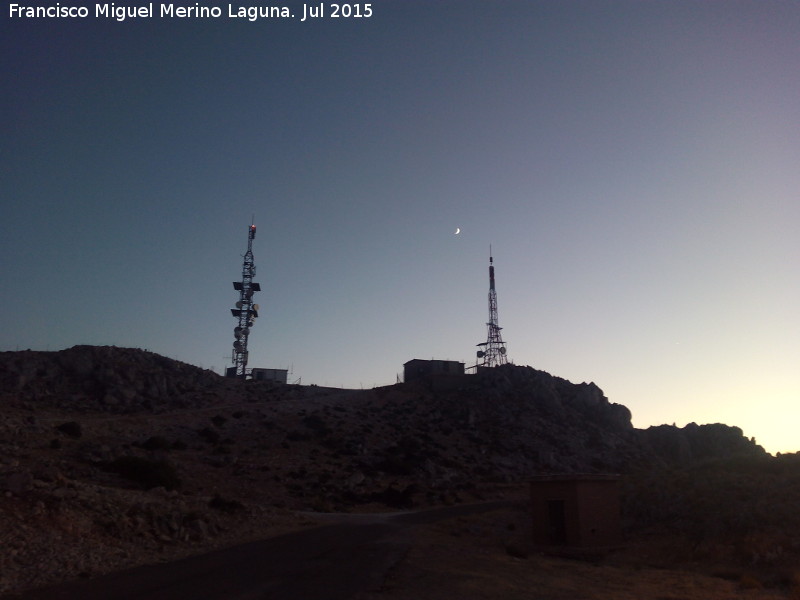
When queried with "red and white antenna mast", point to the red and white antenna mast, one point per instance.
{"points": [[246, 311], [493, 351]]}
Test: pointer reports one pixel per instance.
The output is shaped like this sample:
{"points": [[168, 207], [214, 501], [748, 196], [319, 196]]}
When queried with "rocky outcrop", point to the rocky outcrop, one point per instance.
{"points": [[107, 378], [674, 445]]}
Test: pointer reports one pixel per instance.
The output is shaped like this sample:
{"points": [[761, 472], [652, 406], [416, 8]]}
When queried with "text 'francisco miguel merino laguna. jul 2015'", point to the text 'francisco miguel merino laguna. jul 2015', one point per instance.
{"points": [[194, 11]]}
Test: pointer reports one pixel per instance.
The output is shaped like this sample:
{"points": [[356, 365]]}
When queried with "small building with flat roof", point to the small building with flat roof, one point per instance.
{"points": [[581, 511], [423, 369], [277, 375], [439, 374]]}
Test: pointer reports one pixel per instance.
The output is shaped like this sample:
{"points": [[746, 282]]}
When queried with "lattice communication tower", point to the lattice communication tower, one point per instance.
{"points": [[245, 312], [492, 352]]}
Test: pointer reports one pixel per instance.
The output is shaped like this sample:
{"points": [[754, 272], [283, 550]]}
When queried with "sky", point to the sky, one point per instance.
{"points": [[633, 165]]}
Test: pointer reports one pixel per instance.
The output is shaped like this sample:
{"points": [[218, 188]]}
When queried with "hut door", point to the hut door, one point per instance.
{"points": [[556, 522]]}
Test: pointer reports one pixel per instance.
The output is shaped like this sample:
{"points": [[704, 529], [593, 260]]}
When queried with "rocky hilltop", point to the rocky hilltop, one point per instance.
{"points": [[113, 456], [99, 379]]}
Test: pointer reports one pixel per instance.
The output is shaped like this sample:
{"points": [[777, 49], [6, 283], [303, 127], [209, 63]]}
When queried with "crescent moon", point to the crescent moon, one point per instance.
{"points": [[458, 230]]}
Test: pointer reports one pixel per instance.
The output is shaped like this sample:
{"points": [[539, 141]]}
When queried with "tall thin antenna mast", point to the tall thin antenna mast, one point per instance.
{"points": [[493, 351], [246, 312]]}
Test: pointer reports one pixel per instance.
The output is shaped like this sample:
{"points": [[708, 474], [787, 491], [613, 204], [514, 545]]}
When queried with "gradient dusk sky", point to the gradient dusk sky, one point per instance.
{"points": [[634, 165]]}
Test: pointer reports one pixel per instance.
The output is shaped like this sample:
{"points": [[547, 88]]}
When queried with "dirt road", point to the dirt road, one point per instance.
{"points": [[330, 562]]}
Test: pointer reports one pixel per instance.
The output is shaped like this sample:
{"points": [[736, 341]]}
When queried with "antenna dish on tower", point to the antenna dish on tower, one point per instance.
{"points": [[245, 310], [494, 350]]}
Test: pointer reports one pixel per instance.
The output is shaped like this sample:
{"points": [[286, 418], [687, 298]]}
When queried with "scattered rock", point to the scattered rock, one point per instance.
{"points": [[72, 429]]}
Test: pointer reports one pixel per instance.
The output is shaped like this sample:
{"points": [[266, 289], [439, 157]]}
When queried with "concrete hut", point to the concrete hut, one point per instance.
{"points": [[438, 375], [581, 511]]}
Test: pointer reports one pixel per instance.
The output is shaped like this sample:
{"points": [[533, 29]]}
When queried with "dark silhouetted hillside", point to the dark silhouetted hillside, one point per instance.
{"points": [[115, 456]]}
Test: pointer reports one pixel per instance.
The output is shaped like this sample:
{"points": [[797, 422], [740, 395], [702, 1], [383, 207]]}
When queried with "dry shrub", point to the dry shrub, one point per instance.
{"points": [[764, 547], [749, 582], [145, 472]]}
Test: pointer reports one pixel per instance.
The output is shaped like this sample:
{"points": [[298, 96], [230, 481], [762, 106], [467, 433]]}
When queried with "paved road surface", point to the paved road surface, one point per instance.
{"points": [[330, 562]]}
